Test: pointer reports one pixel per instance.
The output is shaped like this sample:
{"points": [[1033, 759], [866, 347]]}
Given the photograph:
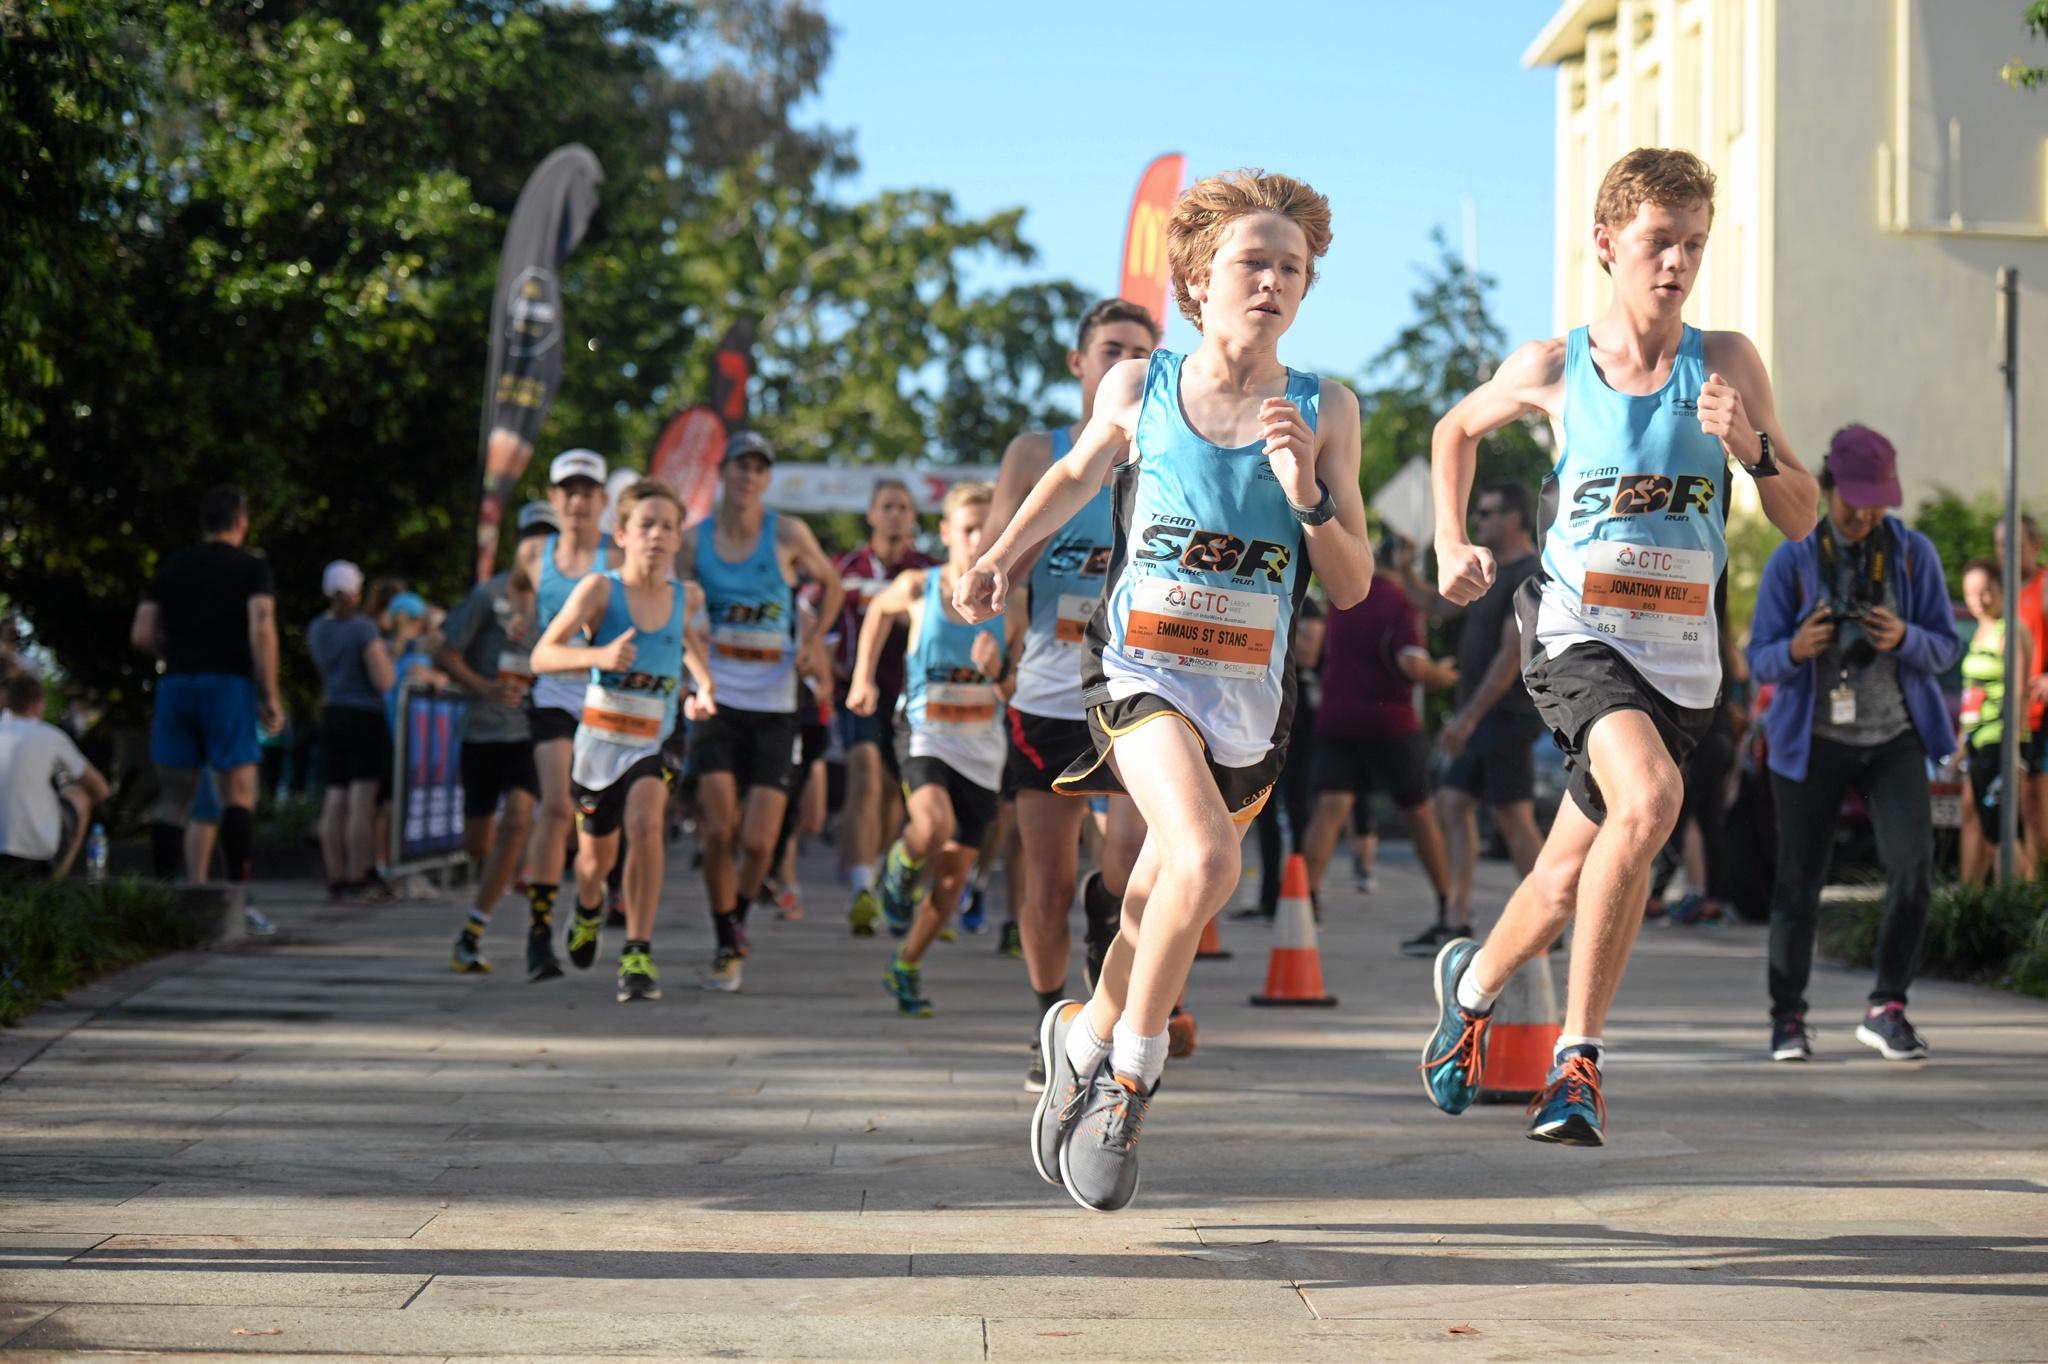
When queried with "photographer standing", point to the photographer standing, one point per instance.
{"points": [[1854, 626]]}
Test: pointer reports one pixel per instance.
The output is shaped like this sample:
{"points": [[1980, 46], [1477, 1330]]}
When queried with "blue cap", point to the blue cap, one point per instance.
{"points": [[408, 604]]}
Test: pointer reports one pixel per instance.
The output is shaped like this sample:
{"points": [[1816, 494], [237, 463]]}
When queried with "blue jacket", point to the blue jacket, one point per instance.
{"points": [[1789, 592]]}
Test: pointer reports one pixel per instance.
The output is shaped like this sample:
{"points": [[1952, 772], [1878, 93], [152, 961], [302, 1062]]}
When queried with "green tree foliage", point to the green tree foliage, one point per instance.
{"points": [[1450, 347], [257, 240], [2022, 75]]}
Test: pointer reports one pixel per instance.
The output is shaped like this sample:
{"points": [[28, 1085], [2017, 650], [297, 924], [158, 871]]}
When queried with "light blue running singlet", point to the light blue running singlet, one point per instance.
{"points": [[954, 709], [1065, 588], [560, 691], [752, 610], [1207, 575], [1635, 526], [628, 715]]}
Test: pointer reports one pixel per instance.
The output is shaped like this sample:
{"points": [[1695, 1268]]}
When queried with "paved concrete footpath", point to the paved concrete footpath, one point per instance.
{"points": [[329, 1145]]}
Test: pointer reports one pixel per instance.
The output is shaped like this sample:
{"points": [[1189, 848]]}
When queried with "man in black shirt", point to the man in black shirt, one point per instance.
{"points": [[1490, 738], [211, 616]]}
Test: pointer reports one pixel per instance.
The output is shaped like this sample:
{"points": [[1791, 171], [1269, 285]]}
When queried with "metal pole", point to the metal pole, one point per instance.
{"points": [[2012, 779]]}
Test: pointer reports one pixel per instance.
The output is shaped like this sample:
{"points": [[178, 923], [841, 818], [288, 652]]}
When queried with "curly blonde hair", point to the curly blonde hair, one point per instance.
{"points": [[1652, 175], [1207, 208]]}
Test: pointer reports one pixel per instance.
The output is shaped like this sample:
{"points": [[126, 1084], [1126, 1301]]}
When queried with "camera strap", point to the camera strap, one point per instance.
{"points": [[1873, 562]]}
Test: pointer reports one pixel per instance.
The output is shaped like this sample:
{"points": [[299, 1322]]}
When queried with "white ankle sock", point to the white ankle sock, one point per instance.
{"points": [[1084, 1049], [1572, 1039], [861, 877], [1141, 1058], [1471, 998]]}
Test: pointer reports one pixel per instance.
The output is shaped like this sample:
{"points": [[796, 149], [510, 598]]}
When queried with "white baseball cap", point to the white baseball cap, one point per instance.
{"points": [[341, 576], [577, 464]]}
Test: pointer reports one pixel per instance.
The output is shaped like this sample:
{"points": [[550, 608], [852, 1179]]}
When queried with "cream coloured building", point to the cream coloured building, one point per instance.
{"points": [[1875, 172]]}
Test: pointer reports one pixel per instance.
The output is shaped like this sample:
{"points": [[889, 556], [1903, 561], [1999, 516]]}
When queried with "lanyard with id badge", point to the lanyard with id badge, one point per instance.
{"points": [[1849, 608]]}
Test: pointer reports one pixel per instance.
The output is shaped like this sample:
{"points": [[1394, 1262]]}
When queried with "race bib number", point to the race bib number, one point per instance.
{"points": [[1222, 632], [622, 715], [959, 706], [1649, 594], [514, 667], [1071, 624], [744, 645]]}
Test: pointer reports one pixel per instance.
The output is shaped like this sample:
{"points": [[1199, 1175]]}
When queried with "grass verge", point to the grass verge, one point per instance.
{"points": [[56, 936]]}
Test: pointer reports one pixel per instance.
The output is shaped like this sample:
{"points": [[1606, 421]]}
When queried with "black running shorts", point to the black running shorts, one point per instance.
{"points": [[1040, 749], [1398, 766], [1244, 789], [599, 813], [760, 748], [974, 807], [491, 770]]}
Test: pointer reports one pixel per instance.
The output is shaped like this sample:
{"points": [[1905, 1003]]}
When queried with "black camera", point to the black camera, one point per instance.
{"points": [[1851, 638]]}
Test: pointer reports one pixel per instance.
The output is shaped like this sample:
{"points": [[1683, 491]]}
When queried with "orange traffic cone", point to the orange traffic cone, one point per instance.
{"points": [[1294, 971], [1524, 1033], [1211, 948]]}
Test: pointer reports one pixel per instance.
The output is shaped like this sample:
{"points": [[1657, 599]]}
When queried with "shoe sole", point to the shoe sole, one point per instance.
{"points": [[1034, 1084], [1884, 1048], [1066, 1182], [1790, 1054], [1436, 981], [1573, 1131], [632, 996], [461, 969], [549, 972], [1038, 1112], [1421, 949]]}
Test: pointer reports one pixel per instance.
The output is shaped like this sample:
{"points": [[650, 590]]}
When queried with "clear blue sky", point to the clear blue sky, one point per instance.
{"points": [[1394, 109]]}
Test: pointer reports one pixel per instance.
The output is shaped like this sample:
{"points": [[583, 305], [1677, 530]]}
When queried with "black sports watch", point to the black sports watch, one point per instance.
{"points": [[1322, 511], [1766, 465]]}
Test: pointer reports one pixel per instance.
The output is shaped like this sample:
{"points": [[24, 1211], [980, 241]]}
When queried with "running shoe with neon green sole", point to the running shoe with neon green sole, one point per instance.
{"points": [[905, 982], [863, 913], [584, 930], [637, 977]]}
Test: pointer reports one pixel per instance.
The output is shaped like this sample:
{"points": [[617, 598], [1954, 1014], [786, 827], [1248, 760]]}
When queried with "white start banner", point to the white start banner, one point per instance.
{"points": [[806, 488]]}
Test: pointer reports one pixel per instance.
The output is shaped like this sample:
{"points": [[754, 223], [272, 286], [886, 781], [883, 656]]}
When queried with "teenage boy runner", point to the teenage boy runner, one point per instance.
{"points": [[1620, 647], [953, 702], [635, 619], [747, 560], [1048, 615], [1237, 466], [484, 644], [554, 566], [872, 810]]}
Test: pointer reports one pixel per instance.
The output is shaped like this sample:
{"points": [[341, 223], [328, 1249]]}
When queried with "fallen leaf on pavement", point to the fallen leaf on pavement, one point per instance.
{"points": [[1437, 1239], [1464, 1330], [264, 1331], [1058, 1335]]}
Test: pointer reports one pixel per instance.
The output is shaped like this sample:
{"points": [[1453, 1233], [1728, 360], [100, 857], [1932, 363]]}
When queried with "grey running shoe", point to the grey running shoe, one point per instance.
{"points": [[468, 957], [1885, 1027], [725, 972], [1790, 1040], [1059, 1093], [1099, 1158]]}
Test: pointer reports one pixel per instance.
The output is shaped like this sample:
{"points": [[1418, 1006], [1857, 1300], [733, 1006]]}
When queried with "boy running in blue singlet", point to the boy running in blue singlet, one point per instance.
{"points": [[1240, 478], [555, 565], [953, 702], [635, 619], [1058, 584], [1620, 648], [744, 754]]}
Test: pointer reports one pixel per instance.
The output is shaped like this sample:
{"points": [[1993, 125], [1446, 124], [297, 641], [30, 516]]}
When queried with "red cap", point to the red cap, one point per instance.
{"points": [[1865, 468]]}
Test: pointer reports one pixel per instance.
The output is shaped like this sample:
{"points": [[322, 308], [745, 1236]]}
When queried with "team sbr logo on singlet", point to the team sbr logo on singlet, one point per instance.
{"points": [[750, 632], [1172, 539], [1079, 558], [1619, 494]]}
